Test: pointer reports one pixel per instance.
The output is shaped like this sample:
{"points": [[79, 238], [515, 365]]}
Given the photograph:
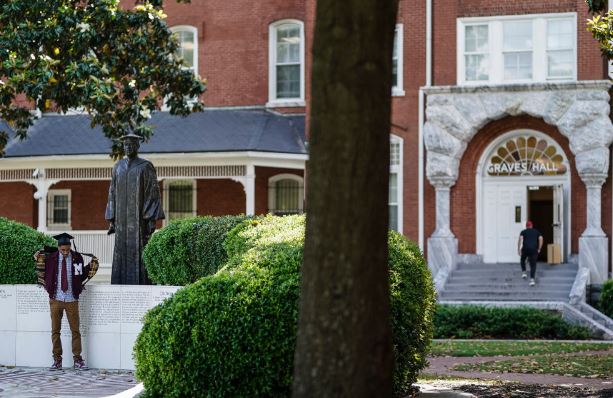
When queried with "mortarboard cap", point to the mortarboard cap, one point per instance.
{"points": [[63, 238], [132, 136]]}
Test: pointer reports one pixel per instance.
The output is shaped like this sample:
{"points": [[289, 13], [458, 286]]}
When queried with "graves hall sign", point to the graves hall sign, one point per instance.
{"points": [[526, 156]]}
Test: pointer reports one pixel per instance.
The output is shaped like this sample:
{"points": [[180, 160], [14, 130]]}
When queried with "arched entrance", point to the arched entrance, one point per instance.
{"points": [[522, 175]]}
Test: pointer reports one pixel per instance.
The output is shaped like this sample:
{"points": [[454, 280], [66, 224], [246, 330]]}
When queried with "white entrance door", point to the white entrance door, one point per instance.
{"points": [[504, 217], [558, 217]]}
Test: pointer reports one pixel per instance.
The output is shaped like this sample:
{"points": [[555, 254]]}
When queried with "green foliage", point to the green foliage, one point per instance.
{"points": [[413, 305], [490, 348], [188, 249], [601, 27], [231, 334], [475, 322], [606, 298], [234, 333], [18, 243], [596, 5], [116, 64]]}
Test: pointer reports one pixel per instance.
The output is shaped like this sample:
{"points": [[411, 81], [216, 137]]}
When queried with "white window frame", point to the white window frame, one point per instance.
{"points": [[398, 170], [273, 101], [166, 197], [50, 208], [272, 199], [398, 88], [194, 31], [495, 39]]}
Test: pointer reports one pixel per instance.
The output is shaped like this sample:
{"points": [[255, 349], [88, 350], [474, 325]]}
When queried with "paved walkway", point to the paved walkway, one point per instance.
{"points": [[442, 366], [67, 383]]}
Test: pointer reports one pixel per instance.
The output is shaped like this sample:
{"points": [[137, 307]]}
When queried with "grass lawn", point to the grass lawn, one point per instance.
{"points": [[473, 348], [596, 366]]}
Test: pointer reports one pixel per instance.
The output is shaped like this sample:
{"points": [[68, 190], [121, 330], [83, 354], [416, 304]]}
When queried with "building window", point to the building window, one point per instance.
{"points": [[526, 48], [395, 184], [58, 209], [286, 83], [397, 57], [187, 36], [179, 199], [560, 48], [517, 50], [285, 194], [476, 50]]}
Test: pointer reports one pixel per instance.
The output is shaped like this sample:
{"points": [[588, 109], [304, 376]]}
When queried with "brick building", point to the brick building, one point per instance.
{"points": [[500, 115]]}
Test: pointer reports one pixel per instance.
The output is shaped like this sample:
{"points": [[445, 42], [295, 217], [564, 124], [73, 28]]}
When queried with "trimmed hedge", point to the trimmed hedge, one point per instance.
{"points": [[480, 322], [188, 249], [606, 298], [18, 242], [234, 333]]}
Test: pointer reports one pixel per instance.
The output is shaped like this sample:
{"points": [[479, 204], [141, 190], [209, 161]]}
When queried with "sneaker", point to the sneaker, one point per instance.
{"points": [[524, 275], [532, 282], [79, 364], [57, 364]]}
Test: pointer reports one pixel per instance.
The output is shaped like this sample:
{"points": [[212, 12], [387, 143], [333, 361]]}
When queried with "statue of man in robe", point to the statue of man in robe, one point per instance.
{"points": [[133, 208]]}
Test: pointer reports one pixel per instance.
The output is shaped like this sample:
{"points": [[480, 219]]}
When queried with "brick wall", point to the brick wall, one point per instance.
{"points": [[262, 174], [17, 203], [220, 197], [88, 203], [590, 65], [233, 44]]}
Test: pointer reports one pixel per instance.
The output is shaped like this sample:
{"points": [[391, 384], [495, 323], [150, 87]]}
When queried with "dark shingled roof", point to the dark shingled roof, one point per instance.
{"points": [[209, 131]]}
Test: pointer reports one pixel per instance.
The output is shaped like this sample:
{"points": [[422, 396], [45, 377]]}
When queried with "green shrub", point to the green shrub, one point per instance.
{"points": [[188, 249], [413, 305], [469, 321], [18, 243], [606, 298], [234, 333]]}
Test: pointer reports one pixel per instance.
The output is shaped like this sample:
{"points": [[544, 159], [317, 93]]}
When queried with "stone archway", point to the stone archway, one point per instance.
{"points": [[580, 111]]}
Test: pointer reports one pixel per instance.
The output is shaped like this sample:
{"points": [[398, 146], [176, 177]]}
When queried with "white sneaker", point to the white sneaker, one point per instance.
{"points": [[532, 282], [524, 275]]}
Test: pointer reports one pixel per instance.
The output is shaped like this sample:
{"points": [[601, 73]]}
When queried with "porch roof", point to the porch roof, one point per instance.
{"points": [[217, 130]]}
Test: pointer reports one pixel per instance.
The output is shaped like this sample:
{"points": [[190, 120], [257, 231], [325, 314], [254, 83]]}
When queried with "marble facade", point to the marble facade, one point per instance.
{"points": [[580, 111]]}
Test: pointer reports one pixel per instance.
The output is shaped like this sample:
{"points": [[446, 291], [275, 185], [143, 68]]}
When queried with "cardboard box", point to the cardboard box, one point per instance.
{"points": [[554, 256]]}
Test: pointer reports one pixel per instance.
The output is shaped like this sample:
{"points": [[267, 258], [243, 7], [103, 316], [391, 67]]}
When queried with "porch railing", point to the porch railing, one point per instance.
{"points": [[97, 243]]}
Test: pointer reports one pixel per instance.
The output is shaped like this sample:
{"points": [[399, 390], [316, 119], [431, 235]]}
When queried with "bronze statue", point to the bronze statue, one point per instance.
{"points": [[133, 208]]}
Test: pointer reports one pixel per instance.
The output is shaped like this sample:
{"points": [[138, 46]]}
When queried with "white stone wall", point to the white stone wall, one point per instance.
{"points": [[111, 318]]}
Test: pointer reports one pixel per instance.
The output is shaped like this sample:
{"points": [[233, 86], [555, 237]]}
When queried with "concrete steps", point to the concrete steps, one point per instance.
{"points": [[503, 282]]}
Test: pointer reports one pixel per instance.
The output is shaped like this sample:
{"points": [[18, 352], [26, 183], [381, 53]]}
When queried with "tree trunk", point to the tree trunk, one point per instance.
{"points": [[344, 346]]}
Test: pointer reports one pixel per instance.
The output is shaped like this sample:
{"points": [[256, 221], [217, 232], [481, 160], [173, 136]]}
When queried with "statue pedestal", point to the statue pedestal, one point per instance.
{"points": [[442, 258], [593, 256]]}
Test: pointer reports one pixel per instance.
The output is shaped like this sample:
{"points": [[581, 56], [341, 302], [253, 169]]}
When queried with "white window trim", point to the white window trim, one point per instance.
{"points": [[166, 200], [286, 176], [496, 59], [50, 207], [398, 169], [194, 30], [273, 101], [398, 89]]}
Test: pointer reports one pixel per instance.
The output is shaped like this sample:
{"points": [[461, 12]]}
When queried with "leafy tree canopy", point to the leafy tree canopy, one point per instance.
{"points": [[601, 26], [118, 65]]}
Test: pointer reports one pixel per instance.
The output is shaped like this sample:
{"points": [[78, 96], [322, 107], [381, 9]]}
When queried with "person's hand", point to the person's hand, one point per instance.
{"points": [[36, 255], [111, 228]]}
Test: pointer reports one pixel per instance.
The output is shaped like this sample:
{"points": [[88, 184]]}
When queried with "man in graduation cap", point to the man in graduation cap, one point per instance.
{"points": [[64, 272], [133, 208]]}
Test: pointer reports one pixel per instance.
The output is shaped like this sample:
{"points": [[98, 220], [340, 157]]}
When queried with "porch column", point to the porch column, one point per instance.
{"points": [[442, 245], [249, 186], [593, 243], [42, 185]]}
